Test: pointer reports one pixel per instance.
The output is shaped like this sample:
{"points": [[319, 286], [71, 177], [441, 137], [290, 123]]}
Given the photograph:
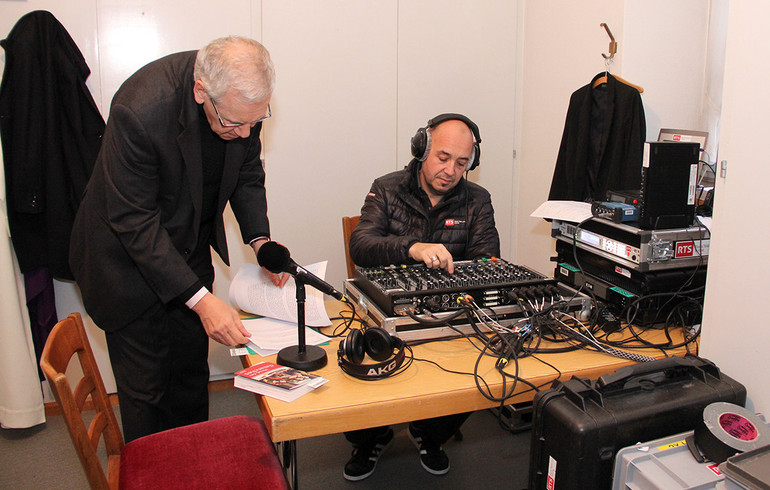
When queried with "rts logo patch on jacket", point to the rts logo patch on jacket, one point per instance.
{"points": [[449, 222]]}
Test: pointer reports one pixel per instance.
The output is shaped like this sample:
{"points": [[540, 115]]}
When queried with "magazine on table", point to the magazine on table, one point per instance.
{"points": [[276, 381]]}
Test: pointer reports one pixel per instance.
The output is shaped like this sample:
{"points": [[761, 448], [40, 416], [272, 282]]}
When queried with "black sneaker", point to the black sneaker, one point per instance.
{"points": [[432, 457], [365, 457]]}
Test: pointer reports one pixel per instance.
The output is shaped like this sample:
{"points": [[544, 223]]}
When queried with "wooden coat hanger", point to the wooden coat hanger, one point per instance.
{"points": [[608, 58]]}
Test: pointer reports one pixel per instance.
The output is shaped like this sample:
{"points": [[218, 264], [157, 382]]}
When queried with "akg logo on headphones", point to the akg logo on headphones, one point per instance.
{"points": [[382, 370]]}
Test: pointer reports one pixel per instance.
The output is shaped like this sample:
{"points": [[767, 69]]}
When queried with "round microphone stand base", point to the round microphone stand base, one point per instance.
{"points": [[311, 359]]}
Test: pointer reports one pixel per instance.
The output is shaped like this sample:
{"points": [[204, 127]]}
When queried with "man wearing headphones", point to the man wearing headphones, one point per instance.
{"points": [[426, 213]]}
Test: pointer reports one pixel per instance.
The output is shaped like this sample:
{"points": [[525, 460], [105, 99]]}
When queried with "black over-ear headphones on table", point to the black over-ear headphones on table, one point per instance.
{"points": [[387, 350], [421, 140]]}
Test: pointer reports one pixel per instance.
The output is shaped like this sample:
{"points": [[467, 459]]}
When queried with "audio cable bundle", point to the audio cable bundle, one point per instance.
{"points": [[371, 353]]}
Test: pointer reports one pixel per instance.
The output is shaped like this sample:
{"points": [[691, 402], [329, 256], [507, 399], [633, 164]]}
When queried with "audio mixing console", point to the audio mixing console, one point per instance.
{"points": [[401, 298], [417, 288]]}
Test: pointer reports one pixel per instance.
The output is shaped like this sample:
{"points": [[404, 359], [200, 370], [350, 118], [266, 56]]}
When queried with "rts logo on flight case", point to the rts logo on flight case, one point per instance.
{"points": [[685, 249]]}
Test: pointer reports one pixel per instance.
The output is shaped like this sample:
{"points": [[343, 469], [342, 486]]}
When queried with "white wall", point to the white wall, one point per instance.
{"points": [[736, 336]]}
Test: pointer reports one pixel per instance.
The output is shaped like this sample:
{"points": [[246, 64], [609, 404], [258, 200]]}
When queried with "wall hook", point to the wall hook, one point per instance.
{"points": [[613, 44]]}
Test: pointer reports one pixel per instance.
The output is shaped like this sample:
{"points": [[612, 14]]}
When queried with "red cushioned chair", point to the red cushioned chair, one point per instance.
{"points": [[233, 452]]}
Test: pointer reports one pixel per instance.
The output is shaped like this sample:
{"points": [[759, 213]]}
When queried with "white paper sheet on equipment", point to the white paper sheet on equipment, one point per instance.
{"points": [[705, 221], [252, 291], [575, 211]]}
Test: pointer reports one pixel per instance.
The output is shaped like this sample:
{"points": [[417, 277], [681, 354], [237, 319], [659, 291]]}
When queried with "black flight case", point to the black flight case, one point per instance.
{"points": [[578, 426]]}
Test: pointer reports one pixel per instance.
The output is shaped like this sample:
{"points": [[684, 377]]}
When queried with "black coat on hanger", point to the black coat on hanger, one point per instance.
{"points": [[51, 132], [602, 144]]}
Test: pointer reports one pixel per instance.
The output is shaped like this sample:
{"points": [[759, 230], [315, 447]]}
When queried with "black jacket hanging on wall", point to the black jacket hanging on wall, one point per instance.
{"points": [[602, 144], [51, 131]]}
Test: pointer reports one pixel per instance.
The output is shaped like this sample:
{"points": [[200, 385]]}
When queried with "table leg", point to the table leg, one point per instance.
{"points": [[288, 450]]}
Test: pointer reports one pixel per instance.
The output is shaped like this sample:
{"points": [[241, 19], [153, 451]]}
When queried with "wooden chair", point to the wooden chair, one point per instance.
{"points": [[232, 452], [348, 225]]}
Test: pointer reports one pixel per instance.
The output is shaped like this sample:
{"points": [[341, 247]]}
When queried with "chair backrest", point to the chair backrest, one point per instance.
{"points": [[67, 339], [348, 225]]}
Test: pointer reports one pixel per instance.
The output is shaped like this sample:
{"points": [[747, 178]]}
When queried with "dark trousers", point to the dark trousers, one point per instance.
{"points": [[160, 363], [437, 430]]}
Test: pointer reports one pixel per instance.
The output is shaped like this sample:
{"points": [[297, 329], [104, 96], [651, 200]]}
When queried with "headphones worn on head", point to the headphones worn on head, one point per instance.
{"points": [[388, 350], [421, 140]]}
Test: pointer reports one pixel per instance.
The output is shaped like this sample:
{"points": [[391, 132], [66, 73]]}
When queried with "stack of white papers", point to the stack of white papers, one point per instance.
{"points": [[252, 291], [269, 335]]}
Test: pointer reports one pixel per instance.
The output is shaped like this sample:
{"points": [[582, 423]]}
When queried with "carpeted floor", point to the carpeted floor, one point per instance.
{"points": [[487, 457]]}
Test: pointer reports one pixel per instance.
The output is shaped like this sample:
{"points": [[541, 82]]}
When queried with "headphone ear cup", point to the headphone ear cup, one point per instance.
{"points": [[353, 347], [421, 144], [379, 343], [475, 155]]}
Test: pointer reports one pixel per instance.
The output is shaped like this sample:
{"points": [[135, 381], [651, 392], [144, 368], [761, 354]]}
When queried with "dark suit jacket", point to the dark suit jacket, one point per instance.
{"points": [[51, 131], [602, 144], [137, 225]]}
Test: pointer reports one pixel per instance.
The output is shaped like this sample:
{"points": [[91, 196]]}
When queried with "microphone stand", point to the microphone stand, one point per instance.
{"points": [[301, 356]]}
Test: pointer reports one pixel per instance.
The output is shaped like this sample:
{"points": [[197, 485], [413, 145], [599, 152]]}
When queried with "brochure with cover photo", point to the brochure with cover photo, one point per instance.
{"points": [[276, 375], [276, 381]]}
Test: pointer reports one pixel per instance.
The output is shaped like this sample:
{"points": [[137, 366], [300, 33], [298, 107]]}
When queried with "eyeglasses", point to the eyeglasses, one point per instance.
{"points": [[235, 125]]}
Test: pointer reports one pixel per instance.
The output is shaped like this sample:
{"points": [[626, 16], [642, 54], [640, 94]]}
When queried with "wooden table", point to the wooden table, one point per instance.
{"points": [[423, 390]]}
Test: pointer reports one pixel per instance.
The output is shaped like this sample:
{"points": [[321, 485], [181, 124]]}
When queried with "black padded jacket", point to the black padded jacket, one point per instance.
{"points": [[397, 213]]}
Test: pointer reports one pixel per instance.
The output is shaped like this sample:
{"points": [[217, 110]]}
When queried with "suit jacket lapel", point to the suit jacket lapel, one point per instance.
{"points": [[234, 155], [189, 141]]}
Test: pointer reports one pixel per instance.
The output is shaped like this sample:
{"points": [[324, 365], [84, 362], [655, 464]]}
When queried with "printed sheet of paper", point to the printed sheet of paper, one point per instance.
{"points": [[574, 211], [252, 291]]}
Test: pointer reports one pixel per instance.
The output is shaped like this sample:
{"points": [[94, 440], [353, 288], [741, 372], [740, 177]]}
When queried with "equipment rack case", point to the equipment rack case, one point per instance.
{"points": [[654, 293], [635, 248]]}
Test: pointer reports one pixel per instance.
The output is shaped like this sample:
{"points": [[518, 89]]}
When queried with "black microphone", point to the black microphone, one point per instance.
{"points": [[276, 258]]}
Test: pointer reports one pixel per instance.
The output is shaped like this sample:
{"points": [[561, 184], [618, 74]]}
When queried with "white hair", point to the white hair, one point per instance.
{"points": [[236, 63]]}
